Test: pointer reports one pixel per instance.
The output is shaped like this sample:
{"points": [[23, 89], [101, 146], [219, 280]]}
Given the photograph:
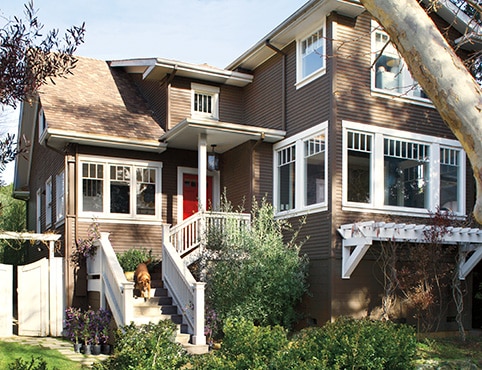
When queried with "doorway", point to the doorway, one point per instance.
{"points": [[190, 194]]}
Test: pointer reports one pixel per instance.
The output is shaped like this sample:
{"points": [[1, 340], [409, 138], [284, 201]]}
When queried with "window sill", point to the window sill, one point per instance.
{"points": [[402, 98], [301, 212], [395, 211]]}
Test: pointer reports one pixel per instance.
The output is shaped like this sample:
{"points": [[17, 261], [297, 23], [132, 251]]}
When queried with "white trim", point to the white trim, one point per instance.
{"points": [[134, 164], [193, 171], [304, 80], [48, 202], [377, 187], [60, 196], [300, 199], [38, 213], [209, 90]]}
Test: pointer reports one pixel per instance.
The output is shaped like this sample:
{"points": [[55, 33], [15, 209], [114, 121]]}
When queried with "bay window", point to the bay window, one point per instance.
{"points": [[301, 171], [388, 169], [121, 189]]}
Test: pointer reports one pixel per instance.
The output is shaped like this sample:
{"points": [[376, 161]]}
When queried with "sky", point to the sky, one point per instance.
{"points": [[215, 32]]}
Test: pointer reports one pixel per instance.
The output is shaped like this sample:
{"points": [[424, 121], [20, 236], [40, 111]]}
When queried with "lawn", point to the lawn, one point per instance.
{"points": [[450, 353], [9, 351]]}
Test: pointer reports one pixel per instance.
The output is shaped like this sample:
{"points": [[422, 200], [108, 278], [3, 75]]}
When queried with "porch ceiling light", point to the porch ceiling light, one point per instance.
{"points": [[213, 159]]}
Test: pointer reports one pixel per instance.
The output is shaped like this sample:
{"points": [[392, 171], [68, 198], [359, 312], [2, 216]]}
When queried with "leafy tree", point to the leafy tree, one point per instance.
{"points": [[12, 218], [251, 272], [28, 60], [443, 76]]}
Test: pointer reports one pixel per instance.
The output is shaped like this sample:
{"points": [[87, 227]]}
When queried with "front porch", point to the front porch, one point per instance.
{"points": [[181, 245]]}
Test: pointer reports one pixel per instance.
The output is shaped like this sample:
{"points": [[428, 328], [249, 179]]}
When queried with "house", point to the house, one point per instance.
{"points": [[311, 116]]}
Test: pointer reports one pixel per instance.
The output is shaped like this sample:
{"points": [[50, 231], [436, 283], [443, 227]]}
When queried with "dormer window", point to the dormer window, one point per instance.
{"points": [[204, 102], [42, 123], [311, 56]]}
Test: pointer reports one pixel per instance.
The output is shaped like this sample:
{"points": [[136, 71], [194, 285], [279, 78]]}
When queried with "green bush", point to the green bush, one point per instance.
{"points": [[251, 272], [348, 343], [36, 363], [132, 257], [146, 347], [344, 344]]}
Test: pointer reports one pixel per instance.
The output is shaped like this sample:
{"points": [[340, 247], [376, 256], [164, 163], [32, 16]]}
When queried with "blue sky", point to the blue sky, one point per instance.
{"points": [[215, 32]]}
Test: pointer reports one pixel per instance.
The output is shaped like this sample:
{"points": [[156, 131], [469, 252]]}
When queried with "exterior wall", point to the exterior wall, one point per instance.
{"points": [[155, 93]]}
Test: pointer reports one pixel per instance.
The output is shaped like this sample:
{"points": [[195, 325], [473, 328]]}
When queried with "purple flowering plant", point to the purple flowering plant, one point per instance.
{"points": [[86, 247], [211, 328], [73, 324], [87, 326]]}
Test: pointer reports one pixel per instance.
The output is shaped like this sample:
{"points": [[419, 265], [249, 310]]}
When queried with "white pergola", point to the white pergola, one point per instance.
{"points": [[358, 237]]}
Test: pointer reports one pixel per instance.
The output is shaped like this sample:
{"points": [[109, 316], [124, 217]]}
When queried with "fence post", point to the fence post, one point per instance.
{"points": [[198, 337]]}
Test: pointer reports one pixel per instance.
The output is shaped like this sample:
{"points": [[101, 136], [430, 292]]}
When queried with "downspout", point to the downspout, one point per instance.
{"points": [[283, 82]]}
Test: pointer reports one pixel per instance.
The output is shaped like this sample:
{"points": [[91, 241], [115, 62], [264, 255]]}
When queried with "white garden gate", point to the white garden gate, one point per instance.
{"points": [[40, 292]]}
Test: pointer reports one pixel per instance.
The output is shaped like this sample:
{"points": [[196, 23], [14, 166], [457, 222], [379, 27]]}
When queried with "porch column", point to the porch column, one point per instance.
{"points": [[202, 171]]}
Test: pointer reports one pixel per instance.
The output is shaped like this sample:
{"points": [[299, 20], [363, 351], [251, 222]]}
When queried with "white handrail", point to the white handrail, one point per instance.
{"points": [[187, 293], [112, 283]]}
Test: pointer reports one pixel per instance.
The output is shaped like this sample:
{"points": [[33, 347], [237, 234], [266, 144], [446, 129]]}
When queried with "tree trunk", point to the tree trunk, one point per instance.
{"points": [[441, 74]]}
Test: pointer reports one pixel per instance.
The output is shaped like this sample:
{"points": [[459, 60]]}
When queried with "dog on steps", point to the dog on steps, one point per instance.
{"points": [[142, 280]]}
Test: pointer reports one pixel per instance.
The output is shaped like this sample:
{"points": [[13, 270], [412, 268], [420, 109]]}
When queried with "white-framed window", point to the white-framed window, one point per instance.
{"points": [[311, 55], [38, 219], [121, 189], [300, 171], [60, 196], [390, 74], [204, 101], [401, 172], [48, 202], [42, 123]]}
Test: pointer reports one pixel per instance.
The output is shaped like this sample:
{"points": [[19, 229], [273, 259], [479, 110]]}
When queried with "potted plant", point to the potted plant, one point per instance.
{"points": [[86, 332], [86, 247], [131, 258], [73, 325], [104, 316]]}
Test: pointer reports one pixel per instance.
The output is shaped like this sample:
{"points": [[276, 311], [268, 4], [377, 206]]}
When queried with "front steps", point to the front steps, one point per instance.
{"points": [[160, 307]]}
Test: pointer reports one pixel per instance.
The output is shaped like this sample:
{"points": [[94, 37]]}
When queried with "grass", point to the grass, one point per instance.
{"points": [[9, 351], [450, 351]]}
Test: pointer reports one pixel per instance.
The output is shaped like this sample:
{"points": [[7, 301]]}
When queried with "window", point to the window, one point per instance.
{"points": [[42, 123], [48, 202], [121, 189], [38, 223], [391, 74], [60, 196], [301, 171], [396, 170], [204, 101], [311, 56]]}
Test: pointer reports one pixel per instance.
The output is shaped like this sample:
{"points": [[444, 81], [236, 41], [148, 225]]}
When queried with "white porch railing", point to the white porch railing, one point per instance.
{"points": [[107, 277], [187, 293]]}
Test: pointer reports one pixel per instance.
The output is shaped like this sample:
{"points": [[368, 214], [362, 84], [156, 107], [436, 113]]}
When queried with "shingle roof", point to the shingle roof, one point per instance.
{"points": [[98, 100]]}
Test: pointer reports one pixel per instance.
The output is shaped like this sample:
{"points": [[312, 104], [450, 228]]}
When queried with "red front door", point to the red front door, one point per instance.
{"points": [[190, 192]]}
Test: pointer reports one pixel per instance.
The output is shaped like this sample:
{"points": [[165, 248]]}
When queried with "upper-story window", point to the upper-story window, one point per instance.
{"points": [[48, 202], [121, 189], [204, 101], [300, 171], [391, 170], [42, 123], [311, 56], [390, 74], [60, 196]]}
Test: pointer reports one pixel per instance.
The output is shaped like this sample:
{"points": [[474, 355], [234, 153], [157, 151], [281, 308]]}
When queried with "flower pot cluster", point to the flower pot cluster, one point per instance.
{"points": [[88, 330]]}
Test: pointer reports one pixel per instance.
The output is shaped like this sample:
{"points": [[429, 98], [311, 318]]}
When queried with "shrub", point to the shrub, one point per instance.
{"points": [[251, 272], [348, 343], [36, 363], [146, 347], [132, 257]]}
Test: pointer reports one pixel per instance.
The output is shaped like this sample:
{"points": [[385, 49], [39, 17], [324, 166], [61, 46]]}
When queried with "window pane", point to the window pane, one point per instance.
{"points": [[146, 191], [120, 189], [406, 174], [312, 53], [286, 178], [315, 170], [449, 170], [92, 187], [359, 167]]}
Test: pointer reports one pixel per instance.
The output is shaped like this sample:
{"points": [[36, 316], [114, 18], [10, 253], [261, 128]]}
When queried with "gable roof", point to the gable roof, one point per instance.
{"points": [[97, 105]]}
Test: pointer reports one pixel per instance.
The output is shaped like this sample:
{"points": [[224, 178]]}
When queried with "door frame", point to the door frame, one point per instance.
{"points": [[194, 171]]}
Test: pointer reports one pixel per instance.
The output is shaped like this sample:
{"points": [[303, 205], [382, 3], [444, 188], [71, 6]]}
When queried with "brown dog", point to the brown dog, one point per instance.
{"points": [[142, 280]]}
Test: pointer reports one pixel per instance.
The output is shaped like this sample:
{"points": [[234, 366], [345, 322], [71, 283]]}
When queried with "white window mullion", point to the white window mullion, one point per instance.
{"points": [[299, 175], [378, 171], [434, 185]]}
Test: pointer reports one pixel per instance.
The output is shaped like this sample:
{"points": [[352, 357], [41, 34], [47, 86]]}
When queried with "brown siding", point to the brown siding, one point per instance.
{"points": [[235, 174], [179, 101], [155, 93], [231, 104]]}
